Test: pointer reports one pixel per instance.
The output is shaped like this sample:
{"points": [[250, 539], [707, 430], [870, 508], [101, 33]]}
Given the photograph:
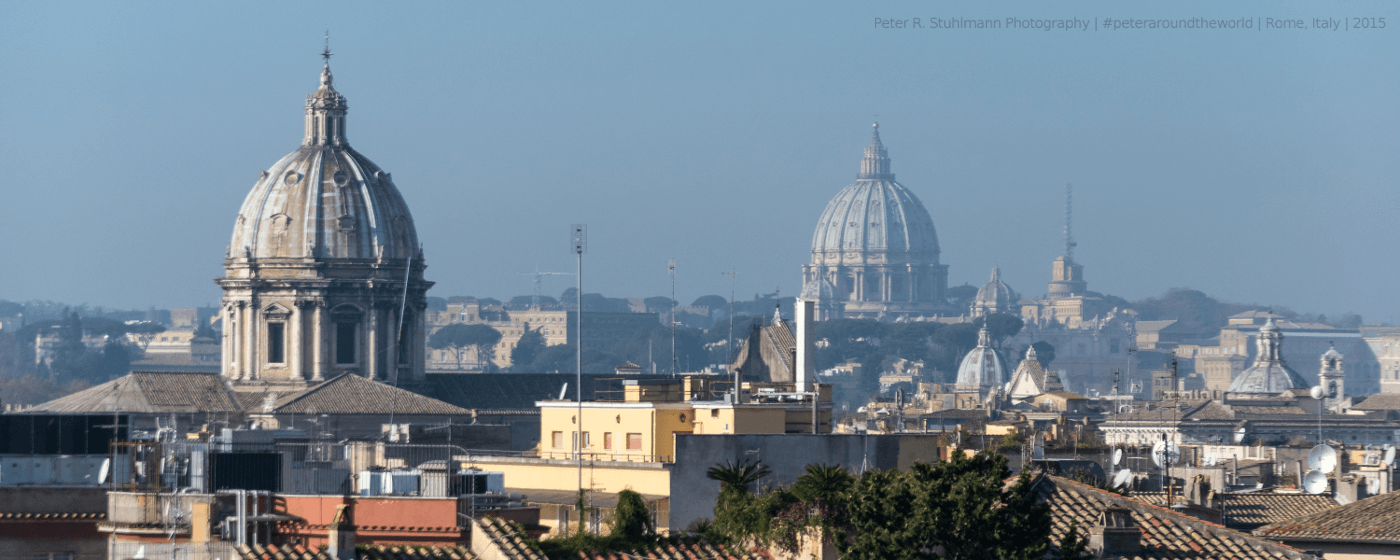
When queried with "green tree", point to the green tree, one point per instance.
{"points": [[145, 331], [1000, 326], [631, 518], [737, 477], [957, 510], [711, 301], [458, 337], [827, 483], [528, 348], [961, 297]]}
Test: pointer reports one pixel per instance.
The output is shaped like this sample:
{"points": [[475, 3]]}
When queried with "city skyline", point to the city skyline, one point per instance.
{"points": [[1210, 159]]}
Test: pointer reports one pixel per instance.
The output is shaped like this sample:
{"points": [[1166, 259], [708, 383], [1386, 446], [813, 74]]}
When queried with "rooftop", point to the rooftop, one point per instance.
{"points": [[1371, 520]]}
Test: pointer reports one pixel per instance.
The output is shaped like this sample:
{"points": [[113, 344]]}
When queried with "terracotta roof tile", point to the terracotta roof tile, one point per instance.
{"points": [[352, 394], [50, 517], [1165, 533], [1373, 519], [385, 552]]}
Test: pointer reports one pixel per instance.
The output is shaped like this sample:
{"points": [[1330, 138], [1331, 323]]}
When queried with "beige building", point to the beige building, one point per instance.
{"points": [[1223, 358], [556, 326], [324, 273]]}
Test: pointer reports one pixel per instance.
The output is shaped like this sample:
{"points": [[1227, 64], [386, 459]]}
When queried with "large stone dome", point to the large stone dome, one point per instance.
{"points": [[876, 248], [325, 200], [983, 368], [875, 213]]}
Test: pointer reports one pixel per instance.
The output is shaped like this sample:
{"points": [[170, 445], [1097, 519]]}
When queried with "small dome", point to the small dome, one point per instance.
{"points": [[1331, 353], [1269, 374], [324, 200], [994, 296], [875, 213], [983, 367]]}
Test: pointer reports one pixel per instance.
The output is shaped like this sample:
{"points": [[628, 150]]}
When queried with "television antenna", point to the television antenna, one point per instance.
{"points": [[578, 243], [671, 269], [1318, 393], [535, 299]]}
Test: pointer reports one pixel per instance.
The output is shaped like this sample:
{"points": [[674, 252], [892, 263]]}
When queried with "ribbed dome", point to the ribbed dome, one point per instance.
{"points": [[876, 213], [1269, 374], [995, 296], [983, 367], [324, 200]]}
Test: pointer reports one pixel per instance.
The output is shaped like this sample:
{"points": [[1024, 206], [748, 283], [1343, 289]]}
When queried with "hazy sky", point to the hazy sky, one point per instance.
{"points": [[1256, 165]]}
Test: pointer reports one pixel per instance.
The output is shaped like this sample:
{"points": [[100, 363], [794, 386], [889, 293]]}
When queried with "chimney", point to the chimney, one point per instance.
{"points": [[1115, 535], [341, 537]]}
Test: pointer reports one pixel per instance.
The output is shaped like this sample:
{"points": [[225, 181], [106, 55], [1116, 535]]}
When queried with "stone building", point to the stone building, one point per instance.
{"points": [[1222, 359], [983, 369], [994, 297], [555, 326], [875, 252], [1270, 373], [315, 274]]}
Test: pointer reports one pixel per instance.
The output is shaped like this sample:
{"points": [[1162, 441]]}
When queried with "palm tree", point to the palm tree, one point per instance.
{"points": [[822, 482], [737, 477]]}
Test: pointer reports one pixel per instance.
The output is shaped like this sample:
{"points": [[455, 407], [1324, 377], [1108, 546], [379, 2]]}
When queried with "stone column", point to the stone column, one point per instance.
{"points": [[318, 344], [372, 345], [226, 362], [391, 347], [294, 353], [417, 357], [249, 341]]}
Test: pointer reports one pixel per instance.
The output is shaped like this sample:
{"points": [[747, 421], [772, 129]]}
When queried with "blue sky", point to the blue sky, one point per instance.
{"points": [[1256, 165]]}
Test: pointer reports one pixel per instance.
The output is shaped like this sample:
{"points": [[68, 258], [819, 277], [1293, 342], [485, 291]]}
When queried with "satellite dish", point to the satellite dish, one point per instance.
{"points": [[1318, 392], [1239, 435], [563, 390], [1373, 486], [1165, 454], [1117, 456], [1389, 457], [1315, 482], [1322, 458], [1122, 478], [1210, 460], [102, 472], [140, 552]]}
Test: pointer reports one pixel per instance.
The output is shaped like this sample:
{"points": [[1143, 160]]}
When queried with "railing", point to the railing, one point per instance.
{"points": [[619, 456]]}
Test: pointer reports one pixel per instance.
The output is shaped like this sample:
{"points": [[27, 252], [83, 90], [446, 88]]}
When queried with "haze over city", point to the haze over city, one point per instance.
{"points": [[1257, 166]]}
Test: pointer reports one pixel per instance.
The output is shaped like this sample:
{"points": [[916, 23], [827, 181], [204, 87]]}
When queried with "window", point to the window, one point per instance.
{"points": [[276, 343], [714, 413], [556, 439], [634, 441], [345, 343], [607, 440], [587, 440]]}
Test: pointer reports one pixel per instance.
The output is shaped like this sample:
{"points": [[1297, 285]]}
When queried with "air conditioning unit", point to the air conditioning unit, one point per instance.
{"points": [[1373, 459]]}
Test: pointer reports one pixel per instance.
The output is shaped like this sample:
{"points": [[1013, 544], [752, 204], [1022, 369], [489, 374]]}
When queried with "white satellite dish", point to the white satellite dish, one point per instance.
{"points": [[1315, 482], [1122, 478], [1389, 457], [1239, 434], [140, 552], [1165, 454], [1318, 392], [102, 472], [1322, 458], [563, 390], [1373, 486], [1117, 456], [1210, 460]]}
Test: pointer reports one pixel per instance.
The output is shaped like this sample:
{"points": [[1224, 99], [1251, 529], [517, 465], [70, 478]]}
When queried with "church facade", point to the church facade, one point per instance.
{"points": [[324, 273], [875, 252]]}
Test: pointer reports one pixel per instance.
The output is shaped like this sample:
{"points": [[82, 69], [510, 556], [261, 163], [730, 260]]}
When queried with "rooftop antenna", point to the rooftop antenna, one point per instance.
{"points": [[1069, 222], [578, 241], [730, 343], [535, 300], [671, 269]]}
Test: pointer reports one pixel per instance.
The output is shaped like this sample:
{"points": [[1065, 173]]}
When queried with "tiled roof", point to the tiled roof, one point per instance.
{"points": [[686, 551], [1247, 511], [50, 517], [1373, 519], [1380, 401], [1165, 533], [380, 552], [150, 392], [514, 547], [509, 541], [352, 394]]}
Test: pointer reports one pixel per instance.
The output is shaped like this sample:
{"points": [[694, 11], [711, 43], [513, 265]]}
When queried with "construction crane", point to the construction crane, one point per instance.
{"points": [[535, 301]]}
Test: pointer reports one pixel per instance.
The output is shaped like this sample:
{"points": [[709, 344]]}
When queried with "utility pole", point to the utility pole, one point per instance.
{"points": [[730, 344], [671, 269], [579, 240]]}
